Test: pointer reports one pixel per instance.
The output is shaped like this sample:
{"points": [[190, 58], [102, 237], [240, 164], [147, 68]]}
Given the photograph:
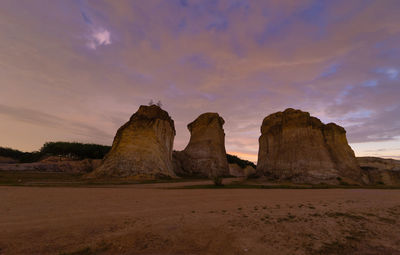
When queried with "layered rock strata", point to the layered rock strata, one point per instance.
{"points": [[142, 147], [205, 154], [296, 146]]}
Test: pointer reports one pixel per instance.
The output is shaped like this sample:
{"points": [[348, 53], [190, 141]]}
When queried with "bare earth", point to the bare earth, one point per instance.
{"points": [[146, 219]]}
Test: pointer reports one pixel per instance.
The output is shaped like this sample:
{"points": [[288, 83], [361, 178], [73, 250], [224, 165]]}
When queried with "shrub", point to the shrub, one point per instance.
{"points": [[232, 159], [66, 149], [75, 150], [217, 180]]}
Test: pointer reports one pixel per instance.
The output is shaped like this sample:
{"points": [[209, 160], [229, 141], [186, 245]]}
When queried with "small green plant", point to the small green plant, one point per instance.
{"points": [[217, 180]]}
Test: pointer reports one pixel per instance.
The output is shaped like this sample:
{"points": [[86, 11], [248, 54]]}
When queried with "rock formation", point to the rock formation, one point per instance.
{"points": [[53, 165], [249, 171], [205, 154], [142, 147], [237, 171], [380, 170], [296, 146], [7, 160]]}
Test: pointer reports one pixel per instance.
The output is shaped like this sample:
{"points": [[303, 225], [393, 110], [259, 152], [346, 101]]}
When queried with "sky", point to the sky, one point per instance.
{"points": [[76, 70]]}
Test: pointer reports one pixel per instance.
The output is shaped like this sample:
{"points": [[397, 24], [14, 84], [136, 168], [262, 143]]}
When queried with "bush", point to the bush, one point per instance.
{"points": [[75, 150], [66, 149], [217, 180], [10, 153], [232, 159]]}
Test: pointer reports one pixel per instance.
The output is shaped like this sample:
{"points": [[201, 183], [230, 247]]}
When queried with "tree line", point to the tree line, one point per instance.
{"points": [[76, 150]]}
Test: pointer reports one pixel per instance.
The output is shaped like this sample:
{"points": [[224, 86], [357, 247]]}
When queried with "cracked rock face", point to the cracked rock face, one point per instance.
{"points": [[296, 146], [205, 154], [142, 147], [380, 170]]}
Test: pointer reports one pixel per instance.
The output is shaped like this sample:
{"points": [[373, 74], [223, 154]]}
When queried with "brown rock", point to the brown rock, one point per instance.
{"points": [[65, 166], [205, 154], [298, 147], [7, 160], [249, 171], [142, 148], [236, 170], [380, 170]]}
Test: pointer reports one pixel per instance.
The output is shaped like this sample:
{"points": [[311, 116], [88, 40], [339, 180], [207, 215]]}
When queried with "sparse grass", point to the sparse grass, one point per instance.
{"points": [[61, 179], [217, 180], [289, 217], [345, 215], [284, 186], [101, 247], [387, 220], [83, 251]]}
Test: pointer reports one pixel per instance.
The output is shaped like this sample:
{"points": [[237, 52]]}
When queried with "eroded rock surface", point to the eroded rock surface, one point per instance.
{"points": [[65, 166], [236, 170], [7, 160], [142, 147], [380, 170], [298, 147], [205, 154]]}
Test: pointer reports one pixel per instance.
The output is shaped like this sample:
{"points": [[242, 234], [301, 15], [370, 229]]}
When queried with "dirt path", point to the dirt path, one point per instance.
{"points": [[143, 219]]}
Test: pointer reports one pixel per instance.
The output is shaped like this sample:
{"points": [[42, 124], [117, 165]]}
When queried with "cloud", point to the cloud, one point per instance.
{"points": [[86, 18], [339, 60], [40, 118], [99, 37], [392, 73]]}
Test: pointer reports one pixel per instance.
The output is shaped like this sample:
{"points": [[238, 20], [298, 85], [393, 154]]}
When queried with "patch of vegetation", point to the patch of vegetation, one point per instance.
{"points": [[232, 159], [65, 149], [23, 157], [334, 247], [83, 251], [62, 179], [217, 180], [289, 218], [76, 150], [101, 247], [387, 220], [345, 215], [284, 186]]}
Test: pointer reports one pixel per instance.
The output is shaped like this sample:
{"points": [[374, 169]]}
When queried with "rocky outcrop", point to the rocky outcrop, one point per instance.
{"points": [[237, 171], [296, 146], [65, 166], [205, 154], [249, 171], [380, 170], [7, 160], [142, 148]]}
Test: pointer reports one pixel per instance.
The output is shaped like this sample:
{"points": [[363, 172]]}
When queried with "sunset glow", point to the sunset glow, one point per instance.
{"points": [[77, 70]]}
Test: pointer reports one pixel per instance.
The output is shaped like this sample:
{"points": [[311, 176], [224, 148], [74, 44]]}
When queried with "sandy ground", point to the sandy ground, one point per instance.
{"points": [[145, 219]]}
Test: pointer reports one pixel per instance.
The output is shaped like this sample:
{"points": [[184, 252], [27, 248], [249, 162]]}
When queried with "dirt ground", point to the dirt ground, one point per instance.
{"points": [[148, 219]]}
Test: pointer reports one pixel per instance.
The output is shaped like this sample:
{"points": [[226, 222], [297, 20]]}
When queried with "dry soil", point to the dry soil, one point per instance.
{"points": [[148, 219]]}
